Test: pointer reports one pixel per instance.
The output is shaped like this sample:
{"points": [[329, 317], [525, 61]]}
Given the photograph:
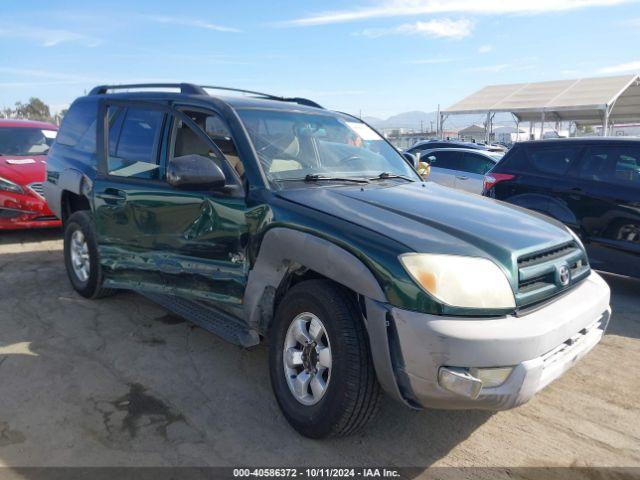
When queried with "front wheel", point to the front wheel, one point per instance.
{"points": [[320, 362], [81, 256]]}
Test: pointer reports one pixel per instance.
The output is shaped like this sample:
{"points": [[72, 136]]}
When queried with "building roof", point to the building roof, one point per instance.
{"points": [[472, 128], [584, 100]]}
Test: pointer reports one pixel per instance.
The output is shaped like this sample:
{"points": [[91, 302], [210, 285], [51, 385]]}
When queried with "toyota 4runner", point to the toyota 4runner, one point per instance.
{"points": [[262, 217]]}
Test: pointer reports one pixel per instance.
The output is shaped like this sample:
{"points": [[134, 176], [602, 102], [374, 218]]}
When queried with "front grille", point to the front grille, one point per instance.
{"points": [[37, 187], [539, 272], [545, 256]]}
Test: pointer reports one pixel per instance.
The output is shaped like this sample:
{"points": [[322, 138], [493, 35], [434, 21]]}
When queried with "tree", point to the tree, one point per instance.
{"points": [[36, 109]]}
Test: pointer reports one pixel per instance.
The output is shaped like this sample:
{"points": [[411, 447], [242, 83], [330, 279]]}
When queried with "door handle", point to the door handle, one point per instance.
{"points": [[462, 177], [113, 196]]}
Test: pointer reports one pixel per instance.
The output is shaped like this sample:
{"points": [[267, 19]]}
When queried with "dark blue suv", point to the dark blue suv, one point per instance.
{"points": [[590, 184]]}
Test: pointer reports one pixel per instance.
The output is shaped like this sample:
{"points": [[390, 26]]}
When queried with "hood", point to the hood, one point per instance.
{"points": [[23, 169], [427, 217]]}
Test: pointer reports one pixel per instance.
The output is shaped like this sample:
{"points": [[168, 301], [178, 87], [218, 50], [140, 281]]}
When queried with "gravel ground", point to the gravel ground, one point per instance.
{"points": [[120, 382]]}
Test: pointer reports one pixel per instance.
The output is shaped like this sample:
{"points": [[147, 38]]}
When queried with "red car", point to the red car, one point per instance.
{"points": [[23, 148]]}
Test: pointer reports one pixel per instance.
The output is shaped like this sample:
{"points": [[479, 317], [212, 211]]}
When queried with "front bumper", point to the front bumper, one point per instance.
{"points": [[18, 211], [540, 345]]}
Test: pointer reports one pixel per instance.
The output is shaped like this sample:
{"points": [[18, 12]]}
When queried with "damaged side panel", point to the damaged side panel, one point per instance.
{"points": [[164, 240]]}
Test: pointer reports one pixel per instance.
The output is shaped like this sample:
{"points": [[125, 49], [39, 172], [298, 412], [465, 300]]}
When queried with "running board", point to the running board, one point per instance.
{"points": [[208, 318]]}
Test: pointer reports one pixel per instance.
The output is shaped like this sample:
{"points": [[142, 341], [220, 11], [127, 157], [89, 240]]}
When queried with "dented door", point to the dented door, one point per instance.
{"points": [[158, 238], [178, 242]]}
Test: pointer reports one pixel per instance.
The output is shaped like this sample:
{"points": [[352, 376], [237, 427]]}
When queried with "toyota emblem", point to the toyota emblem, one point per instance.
{"points": [[565, 275]]}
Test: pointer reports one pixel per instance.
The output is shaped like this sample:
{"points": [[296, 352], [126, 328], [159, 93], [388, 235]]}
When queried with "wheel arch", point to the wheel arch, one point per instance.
{"points": [[73, 187], [287, 253]]}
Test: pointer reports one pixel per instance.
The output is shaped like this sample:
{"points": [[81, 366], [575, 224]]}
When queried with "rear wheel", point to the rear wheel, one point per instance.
{"points": [[81, 256], [320, 362]]}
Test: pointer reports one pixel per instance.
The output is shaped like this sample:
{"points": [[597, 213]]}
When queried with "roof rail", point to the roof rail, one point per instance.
{"points": [[186, 88], [191, 89], [298, 100]]}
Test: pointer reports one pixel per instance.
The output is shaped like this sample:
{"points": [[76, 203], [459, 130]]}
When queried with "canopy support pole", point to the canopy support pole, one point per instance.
{"points": [[541, 126]]}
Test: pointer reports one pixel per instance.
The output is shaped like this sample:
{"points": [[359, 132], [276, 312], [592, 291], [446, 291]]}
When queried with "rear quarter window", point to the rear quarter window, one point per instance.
{"points": [[545, 160], [553, 160], [77, 123]]}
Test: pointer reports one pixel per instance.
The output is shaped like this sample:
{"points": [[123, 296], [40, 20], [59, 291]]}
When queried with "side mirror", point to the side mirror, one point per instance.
{"points": [[411, 159], [195, 171]]}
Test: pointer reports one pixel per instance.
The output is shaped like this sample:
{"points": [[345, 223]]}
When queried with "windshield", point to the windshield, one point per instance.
{"points": [[297, 145], [22, 141]]}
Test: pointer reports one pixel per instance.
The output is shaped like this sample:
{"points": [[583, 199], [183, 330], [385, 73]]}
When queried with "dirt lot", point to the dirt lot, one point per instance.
{"points": [[120, 382]]}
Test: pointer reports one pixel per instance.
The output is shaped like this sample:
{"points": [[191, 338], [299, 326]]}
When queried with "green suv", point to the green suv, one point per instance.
{"points": [[268, 218]]}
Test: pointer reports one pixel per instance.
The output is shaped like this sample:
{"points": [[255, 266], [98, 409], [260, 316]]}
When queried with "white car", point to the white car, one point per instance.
{"points": [[461, 168]]}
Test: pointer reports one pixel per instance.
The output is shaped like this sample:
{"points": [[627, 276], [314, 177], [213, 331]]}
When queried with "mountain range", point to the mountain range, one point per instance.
{"points": [[426, 121]]}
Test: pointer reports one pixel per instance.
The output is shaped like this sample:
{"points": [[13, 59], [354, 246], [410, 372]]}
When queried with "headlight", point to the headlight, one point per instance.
{"points": [[9, 186], [459, 281]]}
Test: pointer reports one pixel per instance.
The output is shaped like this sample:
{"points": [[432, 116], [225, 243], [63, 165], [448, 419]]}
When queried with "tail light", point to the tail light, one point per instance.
{"points": [[493, 179]]}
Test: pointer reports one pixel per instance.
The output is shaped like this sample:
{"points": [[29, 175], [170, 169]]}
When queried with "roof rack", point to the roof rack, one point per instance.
{"points": [[186, 88], [298, 100], [191, 89]]}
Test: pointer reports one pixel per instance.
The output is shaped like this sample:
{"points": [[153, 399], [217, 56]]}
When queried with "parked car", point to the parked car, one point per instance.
{"points": [[23, 148], [460, 168], [590, 184], [436, 143], [267, 217]]}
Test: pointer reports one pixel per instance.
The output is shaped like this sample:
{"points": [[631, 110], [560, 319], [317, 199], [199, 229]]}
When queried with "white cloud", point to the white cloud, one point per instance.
{"points": [[191, 22], [48, 37], [445, 28], [397, 8], [629, 67], [485, 48]]}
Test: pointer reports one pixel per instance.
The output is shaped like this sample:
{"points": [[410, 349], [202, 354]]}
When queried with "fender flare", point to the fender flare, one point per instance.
{"points": [[71, 180], [283, 248]]}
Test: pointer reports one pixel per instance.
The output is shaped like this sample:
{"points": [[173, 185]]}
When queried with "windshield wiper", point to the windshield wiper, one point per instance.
{"points": [[386, 175], [321, 178]]}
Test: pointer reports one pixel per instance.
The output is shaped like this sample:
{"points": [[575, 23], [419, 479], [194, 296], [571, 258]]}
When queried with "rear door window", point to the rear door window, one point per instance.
{"points": [[611, 164], [449, 159], [133, 152]]}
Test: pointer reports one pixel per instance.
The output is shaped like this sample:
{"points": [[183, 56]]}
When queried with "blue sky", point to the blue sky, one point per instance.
{"points": [[379, 57]]}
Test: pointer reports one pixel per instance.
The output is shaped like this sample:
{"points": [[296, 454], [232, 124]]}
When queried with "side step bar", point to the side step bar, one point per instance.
{"points": [[208, 318]]}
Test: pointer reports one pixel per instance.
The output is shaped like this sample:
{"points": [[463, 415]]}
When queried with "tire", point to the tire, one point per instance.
{"points": [[88, 284], [352, 393]]}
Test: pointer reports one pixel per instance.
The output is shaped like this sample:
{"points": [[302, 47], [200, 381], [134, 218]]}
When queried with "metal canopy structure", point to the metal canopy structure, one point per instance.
{"points": [[586, 101]]}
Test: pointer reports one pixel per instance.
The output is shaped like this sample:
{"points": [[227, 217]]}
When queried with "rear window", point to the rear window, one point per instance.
{"points": [[80, 117]]}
